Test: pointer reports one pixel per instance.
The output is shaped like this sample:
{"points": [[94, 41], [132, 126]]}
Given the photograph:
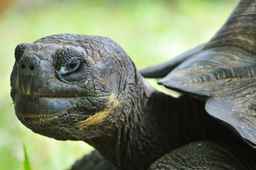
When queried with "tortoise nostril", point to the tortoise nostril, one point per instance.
{"points": [[31, 67]]}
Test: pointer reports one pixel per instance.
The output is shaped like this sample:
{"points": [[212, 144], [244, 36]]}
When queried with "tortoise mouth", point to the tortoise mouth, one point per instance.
{"points": [[52, 117], [46, 110], [38, 106], [43, 110], [59, 116]]}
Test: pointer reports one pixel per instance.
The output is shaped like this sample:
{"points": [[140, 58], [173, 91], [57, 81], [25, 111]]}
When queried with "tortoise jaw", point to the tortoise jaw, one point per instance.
{"points": [[59, 124], [45, 110], [50, 116], [33, 120]]}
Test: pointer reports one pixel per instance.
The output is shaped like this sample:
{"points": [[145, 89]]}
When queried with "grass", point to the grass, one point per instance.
{"points": [[26, 162], [150, 32]]}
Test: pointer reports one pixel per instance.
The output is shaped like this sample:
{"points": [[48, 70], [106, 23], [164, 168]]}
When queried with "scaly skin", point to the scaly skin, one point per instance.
{"points": [[93, 161], [200, 156], [74, 87]]}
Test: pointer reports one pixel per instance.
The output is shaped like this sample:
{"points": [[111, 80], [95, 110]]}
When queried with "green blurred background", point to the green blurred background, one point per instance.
{"points": [[150, 31]]}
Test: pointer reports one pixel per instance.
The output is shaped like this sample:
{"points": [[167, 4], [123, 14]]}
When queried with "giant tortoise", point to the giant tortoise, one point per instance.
{"points": [[77, 87]]}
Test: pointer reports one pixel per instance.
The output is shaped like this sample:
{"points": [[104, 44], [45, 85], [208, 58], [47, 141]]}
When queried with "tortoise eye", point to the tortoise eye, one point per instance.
{"points": [[70, 67], [67, 60]]}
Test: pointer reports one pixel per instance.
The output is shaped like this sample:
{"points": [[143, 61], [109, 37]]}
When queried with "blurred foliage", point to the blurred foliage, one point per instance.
{"points": [[150, 31], [4, 4], [26, 162]]}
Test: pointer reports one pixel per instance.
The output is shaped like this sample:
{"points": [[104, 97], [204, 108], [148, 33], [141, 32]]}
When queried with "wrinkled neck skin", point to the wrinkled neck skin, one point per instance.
{"points": [[149, 124]]}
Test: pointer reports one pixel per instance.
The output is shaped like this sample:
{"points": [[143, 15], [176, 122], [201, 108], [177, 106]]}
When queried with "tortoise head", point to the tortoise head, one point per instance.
{"points": [[66, 86]]}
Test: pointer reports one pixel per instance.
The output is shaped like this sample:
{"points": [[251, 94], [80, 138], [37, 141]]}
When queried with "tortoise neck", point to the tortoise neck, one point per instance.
{"points": [[151, 123]]}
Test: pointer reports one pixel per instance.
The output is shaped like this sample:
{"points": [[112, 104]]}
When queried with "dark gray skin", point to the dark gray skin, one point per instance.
{"points": [[202, 156], [73, 87], [54, 99], [93, 161]]}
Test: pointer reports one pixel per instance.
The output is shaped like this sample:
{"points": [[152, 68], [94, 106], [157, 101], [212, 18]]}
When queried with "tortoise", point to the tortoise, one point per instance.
{"points": [[78, 87]]}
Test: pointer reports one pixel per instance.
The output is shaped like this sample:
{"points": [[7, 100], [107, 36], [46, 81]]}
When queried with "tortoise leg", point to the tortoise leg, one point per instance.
{"points": [[93, 161], [199, 156]]}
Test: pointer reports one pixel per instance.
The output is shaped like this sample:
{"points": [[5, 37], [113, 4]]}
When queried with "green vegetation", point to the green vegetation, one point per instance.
{"points": [[150, 32], [26, 161]]}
